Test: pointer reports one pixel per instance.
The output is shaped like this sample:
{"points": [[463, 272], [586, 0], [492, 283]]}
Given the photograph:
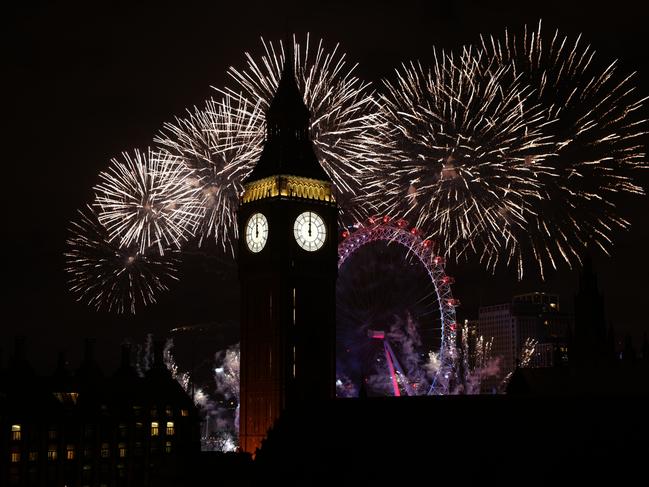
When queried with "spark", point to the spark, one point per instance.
{"points": [[465, 145], [345, 122], [592, 118], [147, 200], [107, 276], [220, 143]]}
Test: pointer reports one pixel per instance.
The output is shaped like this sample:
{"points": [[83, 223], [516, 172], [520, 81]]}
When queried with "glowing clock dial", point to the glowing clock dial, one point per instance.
{"points": [[310, 231], [256, 232]]}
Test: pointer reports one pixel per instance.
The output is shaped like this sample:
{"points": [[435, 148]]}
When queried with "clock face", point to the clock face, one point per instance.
{"points": [[310, 231], [256, 232]]}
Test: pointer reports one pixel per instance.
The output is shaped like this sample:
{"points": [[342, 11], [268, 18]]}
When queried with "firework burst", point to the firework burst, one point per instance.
{"points": [[220, 143], [345, 121], [592, 115], [109, 277], [148, 200], [465, 146]]}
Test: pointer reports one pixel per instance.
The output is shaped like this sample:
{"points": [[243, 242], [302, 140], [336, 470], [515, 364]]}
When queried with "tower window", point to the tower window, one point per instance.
{"points": [[168, 447], [15, 432], [170, 428], [69, 452], [122, 450], [51, 452], [15, 456], [33, 456], [184, 412], [154, 428]]}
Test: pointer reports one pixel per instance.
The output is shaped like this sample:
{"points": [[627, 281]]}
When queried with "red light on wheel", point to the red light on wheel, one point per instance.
{"points": [[402, 223], [447, 280], [386, 219], [414, 231], [453, 326], [345, 234], [427, 243]]}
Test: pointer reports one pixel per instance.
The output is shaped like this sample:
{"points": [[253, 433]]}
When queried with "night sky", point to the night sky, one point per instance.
{"points": [[87, 80]]}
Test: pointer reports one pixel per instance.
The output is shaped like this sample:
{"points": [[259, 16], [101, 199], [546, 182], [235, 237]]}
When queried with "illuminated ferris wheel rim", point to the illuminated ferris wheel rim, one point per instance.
{"points": [[385, 229]]}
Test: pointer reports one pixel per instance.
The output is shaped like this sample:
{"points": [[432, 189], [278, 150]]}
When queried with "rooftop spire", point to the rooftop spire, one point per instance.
{"points": [[288, 149]]}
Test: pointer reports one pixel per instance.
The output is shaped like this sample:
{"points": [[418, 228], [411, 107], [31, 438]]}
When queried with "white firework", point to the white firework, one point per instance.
{"points": [[148, 199]]}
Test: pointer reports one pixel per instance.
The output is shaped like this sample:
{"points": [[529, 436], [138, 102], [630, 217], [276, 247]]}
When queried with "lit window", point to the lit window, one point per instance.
{"points": [[51, 452], [184, 412], [154, 428], [69, 452], [33, 456], [15, 456], [15, 432], [168, 447], [105, 450], [170, 428], [122, 450]]}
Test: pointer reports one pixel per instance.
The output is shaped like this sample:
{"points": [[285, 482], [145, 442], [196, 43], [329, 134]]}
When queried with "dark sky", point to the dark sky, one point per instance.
{"points": [[87, 80]]}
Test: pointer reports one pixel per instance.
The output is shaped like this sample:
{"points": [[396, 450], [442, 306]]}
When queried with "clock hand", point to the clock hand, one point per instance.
{"points": [[257, 229], [309, 224]]}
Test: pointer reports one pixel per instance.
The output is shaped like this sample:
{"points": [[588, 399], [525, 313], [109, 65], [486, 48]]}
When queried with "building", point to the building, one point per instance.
{"points": [[592, 342], [287, 263], [533, 315], [86, 429]]}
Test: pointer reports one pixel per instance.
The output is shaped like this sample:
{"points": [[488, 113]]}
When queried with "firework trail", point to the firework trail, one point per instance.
{"points": [[476, 362], [148, 200], [592, 115], [524, 359], [220, 143], [108, 276], [345, 121], [227, 372], [460, 143], [226, 376]]}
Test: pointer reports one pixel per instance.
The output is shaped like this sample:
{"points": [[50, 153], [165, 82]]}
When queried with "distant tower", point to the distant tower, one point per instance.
{"points": [[287, 270], [590, 335]]}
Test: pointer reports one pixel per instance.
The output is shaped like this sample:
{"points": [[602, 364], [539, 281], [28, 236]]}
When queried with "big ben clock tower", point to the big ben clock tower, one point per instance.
{"points": [[287, 270]]}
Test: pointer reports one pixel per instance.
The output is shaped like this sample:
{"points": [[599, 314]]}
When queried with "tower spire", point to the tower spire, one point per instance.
{"points": [[288, 149]]}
